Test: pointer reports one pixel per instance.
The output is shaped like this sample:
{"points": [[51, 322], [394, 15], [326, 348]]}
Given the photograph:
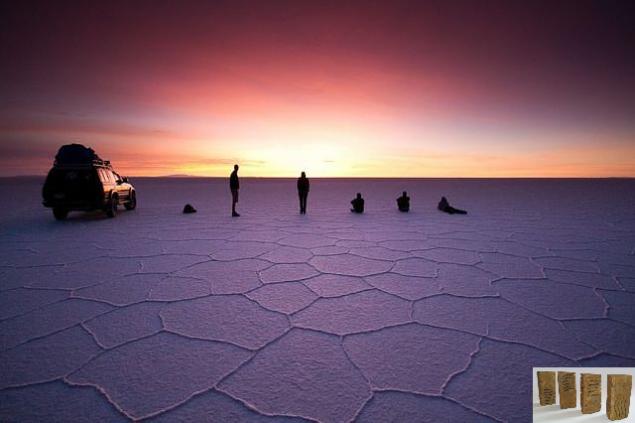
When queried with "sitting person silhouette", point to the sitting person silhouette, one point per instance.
{"points": [[358, 204], [403, 202], [444, 206], [189, 209]]}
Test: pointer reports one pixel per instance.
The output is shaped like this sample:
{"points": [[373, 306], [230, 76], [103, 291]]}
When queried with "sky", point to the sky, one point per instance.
{"points": [[334, 88]]}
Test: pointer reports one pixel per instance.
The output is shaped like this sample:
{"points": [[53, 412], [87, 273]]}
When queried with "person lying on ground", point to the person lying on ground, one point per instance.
{"points": [[444, 206]]}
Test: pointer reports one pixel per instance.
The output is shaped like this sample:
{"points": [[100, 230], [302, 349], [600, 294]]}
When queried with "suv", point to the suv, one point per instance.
{"points": [[80, 180]]}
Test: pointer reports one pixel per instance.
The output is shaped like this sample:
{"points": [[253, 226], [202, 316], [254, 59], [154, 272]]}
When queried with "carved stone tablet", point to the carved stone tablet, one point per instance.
{"points": [[618, 399], [547, 388], [590, 393], [566, 390]]}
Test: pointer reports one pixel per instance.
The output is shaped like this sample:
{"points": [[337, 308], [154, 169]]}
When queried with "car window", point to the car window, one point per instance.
{"points": [[103, 175], [117, 177]]}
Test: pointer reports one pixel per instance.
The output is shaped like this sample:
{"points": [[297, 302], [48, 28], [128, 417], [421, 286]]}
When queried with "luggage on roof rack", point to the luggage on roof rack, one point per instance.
{"points": [[77, 154]]}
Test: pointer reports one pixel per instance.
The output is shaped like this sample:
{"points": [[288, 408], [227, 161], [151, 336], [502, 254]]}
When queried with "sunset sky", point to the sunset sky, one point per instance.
{"points": [[335, 88]]}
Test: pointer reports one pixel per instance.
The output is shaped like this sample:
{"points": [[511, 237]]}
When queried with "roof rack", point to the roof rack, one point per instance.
{"points": [[93, 163], [78, 155]]}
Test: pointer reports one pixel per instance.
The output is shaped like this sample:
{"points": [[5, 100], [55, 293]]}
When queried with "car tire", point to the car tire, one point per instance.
{"points": [[111, 208], [60, 213], [132, 203]]}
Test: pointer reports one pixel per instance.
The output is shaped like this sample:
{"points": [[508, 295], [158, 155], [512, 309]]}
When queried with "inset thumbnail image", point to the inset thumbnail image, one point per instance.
{"points": [[583, 394]]}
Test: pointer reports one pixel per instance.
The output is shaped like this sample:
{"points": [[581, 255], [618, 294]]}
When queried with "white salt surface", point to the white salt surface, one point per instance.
{"points": [[328, 316]]}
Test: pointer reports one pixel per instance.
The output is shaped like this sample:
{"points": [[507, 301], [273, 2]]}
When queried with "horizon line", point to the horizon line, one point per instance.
{"points": [[344, 177]]}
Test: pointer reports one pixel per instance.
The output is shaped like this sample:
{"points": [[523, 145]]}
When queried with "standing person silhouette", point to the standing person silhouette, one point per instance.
{"points": [[303, 191], [234, 186]]}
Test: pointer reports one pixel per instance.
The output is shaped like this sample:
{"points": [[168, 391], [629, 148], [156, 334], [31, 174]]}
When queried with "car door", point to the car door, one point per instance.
{"points": [[105, 180], [122, 188]]}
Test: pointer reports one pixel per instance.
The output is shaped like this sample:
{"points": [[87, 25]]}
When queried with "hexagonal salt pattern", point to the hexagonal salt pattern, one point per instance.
{"points": [[131, 373], [360, 312], [57, 402], [411, 357], [306, 374], [230, 318], [398, 406], [326, 317]]}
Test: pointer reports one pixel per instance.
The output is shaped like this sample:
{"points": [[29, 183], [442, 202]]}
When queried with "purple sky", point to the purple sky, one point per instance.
{"points": [[452, 88]]}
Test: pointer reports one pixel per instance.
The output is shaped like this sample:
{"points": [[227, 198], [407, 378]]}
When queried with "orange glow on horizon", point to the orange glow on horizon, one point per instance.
{"points": [[386, 90]]}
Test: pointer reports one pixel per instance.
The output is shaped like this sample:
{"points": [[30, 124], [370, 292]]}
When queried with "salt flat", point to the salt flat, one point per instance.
{"points": [[329, 316]]}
